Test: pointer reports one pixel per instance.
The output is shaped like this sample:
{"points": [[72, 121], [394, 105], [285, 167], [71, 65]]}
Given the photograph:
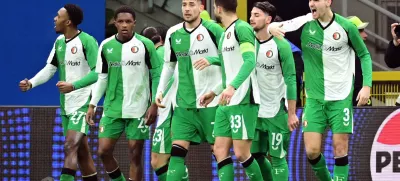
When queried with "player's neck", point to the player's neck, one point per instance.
{"points": [[228, 18], [124, 38], [327, 17], [70, 33], [158, 45], [262, 34], [193, 24]]}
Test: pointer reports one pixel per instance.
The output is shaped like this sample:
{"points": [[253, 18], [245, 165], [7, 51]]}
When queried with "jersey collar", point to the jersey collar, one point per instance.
{"points": [[332, 20], [265, 41], [184, 26], [80, 31], [126, 40], [231, 24]]}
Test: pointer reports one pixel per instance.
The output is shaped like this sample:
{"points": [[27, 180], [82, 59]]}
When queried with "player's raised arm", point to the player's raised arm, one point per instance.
{"points": [[278, 29], [43, 75], [91, 49], [168, 68], [246, 40]]}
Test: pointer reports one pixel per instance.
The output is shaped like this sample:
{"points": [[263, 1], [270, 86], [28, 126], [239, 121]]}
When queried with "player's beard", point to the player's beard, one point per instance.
{"points": [[257, 29], [192, 19]]}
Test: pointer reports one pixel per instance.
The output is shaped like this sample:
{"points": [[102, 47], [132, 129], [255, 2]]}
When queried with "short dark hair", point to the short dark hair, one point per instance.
{"points": [[151, 33], [278, 19], [75, 13], [228, 5], [266, 7], [162, 31], [125, 9]]}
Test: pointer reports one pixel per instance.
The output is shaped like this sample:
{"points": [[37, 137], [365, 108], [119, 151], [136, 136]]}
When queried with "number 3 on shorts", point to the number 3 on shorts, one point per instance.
{"points": [[77, 116], [236, 122], [346, 116]]}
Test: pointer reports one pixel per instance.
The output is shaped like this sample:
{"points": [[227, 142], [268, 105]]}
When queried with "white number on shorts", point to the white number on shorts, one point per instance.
{"points": [[346, 114], [76, 116], [142, 126], [236, 122], [276, 140], [158, 135]]}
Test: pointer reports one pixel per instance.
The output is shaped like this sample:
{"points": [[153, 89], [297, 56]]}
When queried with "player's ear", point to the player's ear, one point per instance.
{"points": [[68, 22], [268, 20]]}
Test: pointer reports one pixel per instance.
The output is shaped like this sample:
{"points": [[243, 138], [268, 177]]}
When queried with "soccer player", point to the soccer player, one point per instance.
{"points": [[276, 76], [161, 149], [236, 117], [330, 43], [185, 43], [74, 55], [124, 63]]}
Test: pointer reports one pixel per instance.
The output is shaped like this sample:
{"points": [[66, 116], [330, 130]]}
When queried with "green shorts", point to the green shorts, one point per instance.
{"points": [[162, 142], [338, 115], [237, 122], [193, 125], [272, 135], [135, 128], [75, 121]]}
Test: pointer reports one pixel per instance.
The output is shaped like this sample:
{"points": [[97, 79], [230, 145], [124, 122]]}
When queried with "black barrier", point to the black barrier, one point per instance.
{"points": [[32, 148]]}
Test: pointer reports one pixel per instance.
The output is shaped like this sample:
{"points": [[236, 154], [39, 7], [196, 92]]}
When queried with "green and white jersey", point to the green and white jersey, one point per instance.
{"points": [[329, 56], [74, 59], [276, 75], [129, 66], [238, 63], [182, 48], [168, 97]]}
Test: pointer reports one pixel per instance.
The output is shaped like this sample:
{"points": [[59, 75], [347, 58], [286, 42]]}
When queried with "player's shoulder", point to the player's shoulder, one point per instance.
{"points": [[86, 36], [209, 24], [243, 25], [144, 40], [281, 43], [174, 28], [344, 22], [59, 39], [107, 40]]}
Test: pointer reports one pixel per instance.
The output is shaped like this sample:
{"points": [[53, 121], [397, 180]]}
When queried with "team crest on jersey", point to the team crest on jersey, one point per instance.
{"points": [[229, 35], [200, 37], [135, 49], [74, 50], [269, 53], [336, 36]]}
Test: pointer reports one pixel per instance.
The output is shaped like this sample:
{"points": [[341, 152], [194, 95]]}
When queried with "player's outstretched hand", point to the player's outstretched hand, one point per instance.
{"points": [[201, 64], [65, 87], [207, 98], [90, 115], [226, 96], [293, 122], [159, 99], [363, 96], [151, 114], [276, 30], [25, 85]]}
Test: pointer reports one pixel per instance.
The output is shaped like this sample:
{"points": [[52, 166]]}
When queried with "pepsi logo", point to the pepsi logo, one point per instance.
{"points": [[200, 37], [269, 53], [74, 50], [385, 152], [336, 36], [135, 49]]}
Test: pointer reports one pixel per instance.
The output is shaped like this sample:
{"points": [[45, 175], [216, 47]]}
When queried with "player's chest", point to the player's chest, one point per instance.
{"points": [[229, 45], [71, 54], [333, 40], [131, 55], [268, 58], [197, 43]]}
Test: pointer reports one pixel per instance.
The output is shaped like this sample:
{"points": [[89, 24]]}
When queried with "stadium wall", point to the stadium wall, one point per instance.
{"points": [[31, 148], [27, 38]]}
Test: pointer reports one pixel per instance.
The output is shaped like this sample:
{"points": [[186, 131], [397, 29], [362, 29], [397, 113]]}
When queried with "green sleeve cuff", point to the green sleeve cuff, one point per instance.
{"points": [[247, 67], [214, 61]]}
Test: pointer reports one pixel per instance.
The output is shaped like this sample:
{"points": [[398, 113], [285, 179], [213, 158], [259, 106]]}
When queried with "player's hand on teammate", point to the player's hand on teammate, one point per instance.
{"points": [[396, 40], [151, 114], [25, 85], [275, 29], [363, 96], [159, 99], [293, 122], [65, 87], [226, 96], [201, 64], [90, 115], [207, 98]]}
